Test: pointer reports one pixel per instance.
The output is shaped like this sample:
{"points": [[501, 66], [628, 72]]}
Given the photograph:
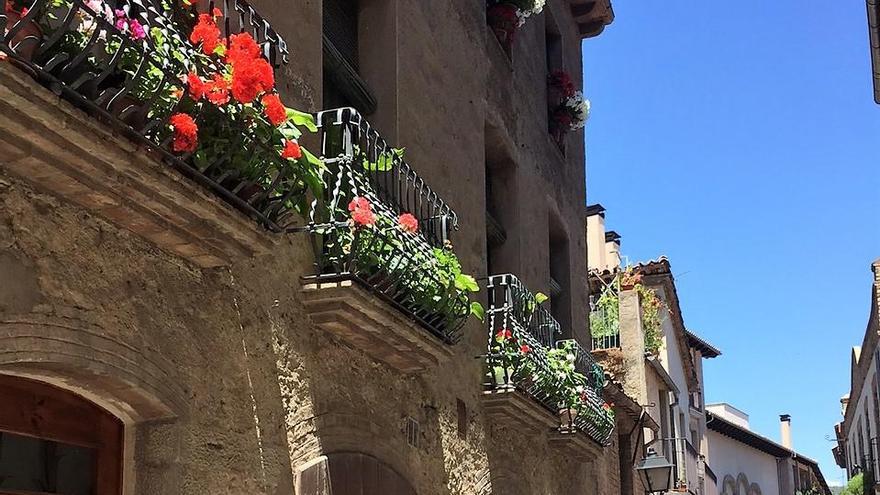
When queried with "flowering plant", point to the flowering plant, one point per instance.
{"points": [[382, 245], [505, 17], [509, 358], [605, 312]]}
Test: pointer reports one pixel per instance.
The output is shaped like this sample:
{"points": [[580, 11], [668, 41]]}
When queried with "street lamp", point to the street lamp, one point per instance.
{"points": [[655, 472]]}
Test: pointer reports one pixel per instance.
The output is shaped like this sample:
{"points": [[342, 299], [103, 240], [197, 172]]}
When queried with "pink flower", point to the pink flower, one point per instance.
{"points": [[137, 30], [525, 349], [503, 335], [408, 223], [361, 212]]}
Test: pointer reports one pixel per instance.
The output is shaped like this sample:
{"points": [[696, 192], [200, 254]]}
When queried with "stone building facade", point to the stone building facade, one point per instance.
{"points": [[180, 331], [857, 434]]}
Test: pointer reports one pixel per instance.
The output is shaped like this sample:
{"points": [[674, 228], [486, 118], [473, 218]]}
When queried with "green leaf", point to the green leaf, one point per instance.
{"points": [[466, 282], [477, 311], [540, 297], [304, 119]]}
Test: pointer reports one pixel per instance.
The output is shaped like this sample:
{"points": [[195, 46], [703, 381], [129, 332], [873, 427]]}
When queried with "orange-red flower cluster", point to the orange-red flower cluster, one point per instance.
{"points": [[186, 133], [525, 349], [251, 74], [361, 212], [503, 335], [291, 150], [408, 223], [274, 109], [207, 33]]}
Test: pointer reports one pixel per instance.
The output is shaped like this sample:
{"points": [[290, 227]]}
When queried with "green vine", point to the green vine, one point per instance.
{"points": [[605, 314]]}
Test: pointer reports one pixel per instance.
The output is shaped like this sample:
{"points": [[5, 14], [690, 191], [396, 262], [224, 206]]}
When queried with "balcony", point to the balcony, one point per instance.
{"points": [[386, 280], [537, 382], [106, 144]]}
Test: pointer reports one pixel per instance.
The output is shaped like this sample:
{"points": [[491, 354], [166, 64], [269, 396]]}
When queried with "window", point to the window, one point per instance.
{"points": [[501, 217], [55, 442], [343, 85], [560, 304]]}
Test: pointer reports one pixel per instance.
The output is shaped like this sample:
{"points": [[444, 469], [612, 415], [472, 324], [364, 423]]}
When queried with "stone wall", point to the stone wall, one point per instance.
{"points": [[222, 381]]}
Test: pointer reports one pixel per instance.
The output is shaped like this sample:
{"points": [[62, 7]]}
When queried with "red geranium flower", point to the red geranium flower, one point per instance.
{"points": [[408, 223], [218, 90], [242, 47], [361, 211], [197, 87], [274, 109], [185, 132], [217, 12], [250, 77], [207, 33], [291, 150], [503, 334], [525, 349]]}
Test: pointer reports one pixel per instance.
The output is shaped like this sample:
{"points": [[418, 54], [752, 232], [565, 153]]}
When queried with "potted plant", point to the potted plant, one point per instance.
{"points": [[566, 386], [505, 17], [510, 362], [28, 35]]}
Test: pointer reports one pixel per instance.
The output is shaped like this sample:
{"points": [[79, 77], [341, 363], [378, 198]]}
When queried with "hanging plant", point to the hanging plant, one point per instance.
{"points": [[568, 108], [505, 17]]}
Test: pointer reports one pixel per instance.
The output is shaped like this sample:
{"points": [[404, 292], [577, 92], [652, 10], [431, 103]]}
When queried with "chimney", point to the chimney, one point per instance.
{"points": [[612, 249], [785, 425], [596, 237]]}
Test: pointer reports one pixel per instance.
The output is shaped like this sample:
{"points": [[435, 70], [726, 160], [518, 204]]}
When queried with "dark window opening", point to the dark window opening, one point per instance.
{"points": [[343, 85], [560, 300]]}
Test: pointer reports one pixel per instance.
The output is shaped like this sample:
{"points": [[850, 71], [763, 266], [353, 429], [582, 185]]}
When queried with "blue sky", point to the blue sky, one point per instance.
{"points": [[740, 140]]}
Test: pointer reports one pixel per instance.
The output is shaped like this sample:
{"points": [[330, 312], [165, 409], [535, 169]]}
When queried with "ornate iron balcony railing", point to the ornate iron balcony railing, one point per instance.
{"points": [[594, 420], [81, 55], [408, 269], [522, 349], [350, 144]]}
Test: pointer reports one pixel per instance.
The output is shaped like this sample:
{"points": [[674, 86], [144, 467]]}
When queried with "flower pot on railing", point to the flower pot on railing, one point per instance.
{"points": [[130, 110], [504, 22], [27, 38]]}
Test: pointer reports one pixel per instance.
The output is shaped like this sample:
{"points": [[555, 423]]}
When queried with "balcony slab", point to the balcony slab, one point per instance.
{"points": [[511, 407], [364, 322], [576, 443], [61, 150]]}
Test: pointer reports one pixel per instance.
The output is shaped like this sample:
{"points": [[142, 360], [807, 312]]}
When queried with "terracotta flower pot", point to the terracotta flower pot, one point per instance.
{"points": [[130, 110], [502, 18], [27, 38]]}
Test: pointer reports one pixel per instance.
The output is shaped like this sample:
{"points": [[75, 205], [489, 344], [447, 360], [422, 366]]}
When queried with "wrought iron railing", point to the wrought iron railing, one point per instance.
{"points": [[350, 145], [407, 269], [75, 48], [594, 419], [517, 319], [513, 308]]}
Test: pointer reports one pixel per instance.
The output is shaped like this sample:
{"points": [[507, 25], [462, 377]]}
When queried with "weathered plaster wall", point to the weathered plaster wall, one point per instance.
{"points": [[730, 458]]}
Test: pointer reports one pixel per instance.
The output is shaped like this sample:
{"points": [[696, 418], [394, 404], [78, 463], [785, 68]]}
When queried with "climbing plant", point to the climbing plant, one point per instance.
{"points": [[605, 311]]}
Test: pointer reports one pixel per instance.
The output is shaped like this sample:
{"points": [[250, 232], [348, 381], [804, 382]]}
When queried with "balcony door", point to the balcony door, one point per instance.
{"points": [[53, 442]]}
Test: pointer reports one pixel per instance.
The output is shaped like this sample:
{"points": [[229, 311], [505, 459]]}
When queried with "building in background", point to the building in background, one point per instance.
{"points": [[873, 7], [640, 338], [857, 434], [747, 463]]}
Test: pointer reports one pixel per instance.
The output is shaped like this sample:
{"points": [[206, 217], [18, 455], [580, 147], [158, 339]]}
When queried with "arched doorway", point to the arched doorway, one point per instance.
{"points": [[56, 442], [351, 473]]}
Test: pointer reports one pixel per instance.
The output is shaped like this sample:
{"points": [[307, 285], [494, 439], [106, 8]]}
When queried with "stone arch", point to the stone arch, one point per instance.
{"points": [[350, 473], [502, 481], [728, 486], [755, 489], [742, 484], [66, 350]]}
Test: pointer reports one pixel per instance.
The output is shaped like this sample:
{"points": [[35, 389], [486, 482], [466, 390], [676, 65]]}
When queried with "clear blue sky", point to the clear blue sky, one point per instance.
{"points": [[741, 141]]}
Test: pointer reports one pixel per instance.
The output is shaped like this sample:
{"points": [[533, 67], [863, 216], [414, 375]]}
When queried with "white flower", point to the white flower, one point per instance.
{"points": [[579, 107]]}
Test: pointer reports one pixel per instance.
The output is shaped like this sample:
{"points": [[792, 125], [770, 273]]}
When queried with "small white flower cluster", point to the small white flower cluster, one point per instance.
{"points": [[536, 8], [579, 107]]}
